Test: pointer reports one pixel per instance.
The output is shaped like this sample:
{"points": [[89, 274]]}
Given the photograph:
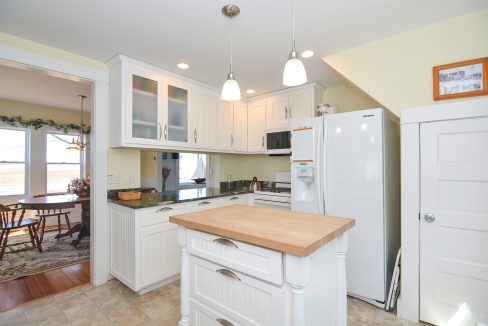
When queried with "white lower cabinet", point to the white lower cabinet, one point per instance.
{"points": [[144, 250], [204, 316], [237, 296]]}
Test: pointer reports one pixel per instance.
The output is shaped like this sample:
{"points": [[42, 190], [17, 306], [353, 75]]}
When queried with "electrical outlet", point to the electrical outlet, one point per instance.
{"points": [[130, 177], [113, 178]]}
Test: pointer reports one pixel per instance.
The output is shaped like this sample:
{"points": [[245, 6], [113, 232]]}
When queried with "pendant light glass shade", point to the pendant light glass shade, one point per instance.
{"points": [[231, 90], [294, 73]]}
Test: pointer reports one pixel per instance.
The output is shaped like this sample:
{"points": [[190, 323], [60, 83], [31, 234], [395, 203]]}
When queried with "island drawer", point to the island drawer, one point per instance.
{"points": [[259, 262], [159, 214], [204, 316], [235, 295]]}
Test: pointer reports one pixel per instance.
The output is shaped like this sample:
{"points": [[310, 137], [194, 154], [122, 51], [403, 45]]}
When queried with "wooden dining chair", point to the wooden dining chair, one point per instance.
{"points": [[13, 219], [58, 212]]}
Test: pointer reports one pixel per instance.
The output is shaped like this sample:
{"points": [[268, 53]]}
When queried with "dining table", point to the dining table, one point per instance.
{"points": [[64, 200]]}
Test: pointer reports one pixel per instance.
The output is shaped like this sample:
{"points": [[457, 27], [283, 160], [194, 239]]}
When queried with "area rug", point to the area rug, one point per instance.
{"points": [[56, 254]]}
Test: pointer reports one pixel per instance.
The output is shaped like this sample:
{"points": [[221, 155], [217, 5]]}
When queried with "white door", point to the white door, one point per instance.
{"points": [[277, 112], [226, 125], [300, 104], [256, 119], [239, 138], [454, 222], [204, 132], [354, 174]]}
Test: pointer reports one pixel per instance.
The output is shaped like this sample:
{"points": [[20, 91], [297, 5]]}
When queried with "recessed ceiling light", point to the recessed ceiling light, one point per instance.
{"points": [[307, 54], [183, 66], [250, 91]]}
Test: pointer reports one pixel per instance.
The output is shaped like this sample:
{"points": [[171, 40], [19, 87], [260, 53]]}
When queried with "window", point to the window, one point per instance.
{"points": [[61, 164], [12, 161], [191, 166]]}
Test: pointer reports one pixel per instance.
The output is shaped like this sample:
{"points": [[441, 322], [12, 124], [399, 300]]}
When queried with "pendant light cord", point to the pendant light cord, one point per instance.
{"points": [[293, 24], [230, 29]]}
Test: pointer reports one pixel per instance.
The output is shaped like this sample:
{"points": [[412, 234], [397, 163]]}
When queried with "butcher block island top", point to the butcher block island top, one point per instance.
{"points": [[295, 233]]}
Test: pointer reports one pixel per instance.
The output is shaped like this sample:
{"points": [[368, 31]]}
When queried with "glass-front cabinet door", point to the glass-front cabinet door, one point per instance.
{"points": [[144, 102], [176, 111]]}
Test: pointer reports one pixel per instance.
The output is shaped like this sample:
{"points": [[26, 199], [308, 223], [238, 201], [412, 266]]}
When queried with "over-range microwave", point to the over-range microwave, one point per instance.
{"points": [[278, 141]]}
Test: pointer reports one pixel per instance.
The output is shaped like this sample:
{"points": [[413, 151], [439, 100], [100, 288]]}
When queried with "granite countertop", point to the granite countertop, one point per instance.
{"points": [[181, 196], [296, 233]]}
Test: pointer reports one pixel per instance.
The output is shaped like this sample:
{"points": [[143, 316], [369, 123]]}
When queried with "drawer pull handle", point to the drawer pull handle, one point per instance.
{"points": [[224, 322], [233, 198], [204, 203], [228, 273], [226, 242], [164, 209]]}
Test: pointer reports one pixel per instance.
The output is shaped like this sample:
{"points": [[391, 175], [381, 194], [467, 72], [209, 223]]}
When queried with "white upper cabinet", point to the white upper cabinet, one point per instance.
{"points": [[137, 105], [205, 111], [176, 113], [256, 119], [226, 126], [294, 103], [240, 127]]}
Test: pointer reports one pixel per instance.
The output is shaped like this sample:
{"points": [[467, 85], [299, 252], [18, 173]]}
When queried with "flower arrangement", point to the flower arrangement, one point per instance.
{"points": [[79, 186], [165, 172]]}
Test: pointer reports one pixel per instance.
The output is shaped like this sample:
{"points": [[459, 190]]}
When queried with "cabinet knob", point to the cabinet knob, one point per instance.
{"points": [[289, 112], [231, 140], [262, 141], [429, 217], [160, 131], [166, 132], [204, 203], [234, 198], [195, 136], [164, 209], [286, 113]]}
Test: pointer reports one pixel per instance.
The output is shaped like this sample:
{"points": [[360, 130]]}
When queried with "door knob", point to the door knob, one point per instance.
{"points": [[429, 217]]}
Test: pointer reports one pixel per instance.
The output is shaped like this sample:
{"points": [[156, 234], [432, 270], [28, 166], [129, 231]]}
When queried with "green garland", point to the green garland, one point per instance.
{"points": [[39, 123]]}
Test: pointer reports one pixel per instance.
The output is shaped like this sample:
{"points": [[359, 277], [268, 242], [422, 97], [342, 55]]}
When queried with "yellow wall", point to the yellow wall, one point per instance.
{"points": [[148, 164], [397, 71], [349, 98], [244, 167], [32, 111], [122, 162], [49, 51]]}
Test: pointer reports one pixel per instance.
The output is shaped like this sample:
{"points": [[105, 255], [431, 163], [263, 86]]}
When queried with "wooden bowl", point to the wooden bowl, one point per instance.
{"points": [[129, 195]]}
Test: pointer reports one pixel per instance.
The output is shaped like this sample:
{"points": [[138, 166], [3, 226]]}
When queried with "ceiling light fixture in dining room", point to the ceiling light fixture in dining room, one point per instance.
{"points": [[294, 73], [231, 90], [78, 144]]}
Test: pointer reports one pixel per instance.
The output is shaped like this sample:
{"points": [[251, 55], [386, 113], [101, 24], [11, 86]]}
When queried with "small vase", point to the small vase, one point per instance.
{"points": [[82, 193]]}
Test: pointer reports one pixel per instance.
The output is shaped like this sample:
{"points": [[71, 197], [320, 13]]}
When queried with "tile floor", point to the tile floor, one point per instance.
{"points": [[115, 304]]}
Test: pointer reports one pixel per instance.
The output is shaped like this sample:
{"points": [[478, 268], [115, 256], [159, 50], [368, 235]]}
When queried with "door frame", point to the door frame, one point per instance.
{"points": [[99, 79], [411, 119]]}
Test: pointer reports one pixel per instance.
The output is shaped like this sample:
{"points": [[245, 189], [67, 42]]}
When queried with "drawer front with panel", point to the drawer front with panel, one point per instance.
{"points": [[204, 316], [160, 214], [240, 297], [200, 205], [259, 262]]}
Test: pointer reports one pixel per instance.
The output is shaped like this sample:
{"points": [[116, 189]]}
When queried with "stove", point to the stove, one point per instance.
{"points": [[279, 197]]}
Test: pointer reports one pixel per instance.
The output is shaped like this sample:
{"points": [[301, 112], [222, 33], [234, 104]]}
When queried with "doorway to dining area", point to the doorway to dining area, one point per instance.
{"points": [[45, 187]]}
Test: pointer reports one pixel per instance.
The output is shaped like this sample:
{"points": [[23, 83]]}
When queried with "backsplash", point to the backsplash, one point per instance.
{"points": [[239, 184]]}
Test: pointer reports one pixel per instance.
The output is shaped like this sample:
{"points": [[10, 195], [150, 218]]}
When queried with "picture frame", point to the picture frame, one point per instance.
{"points": [[461, 79]]}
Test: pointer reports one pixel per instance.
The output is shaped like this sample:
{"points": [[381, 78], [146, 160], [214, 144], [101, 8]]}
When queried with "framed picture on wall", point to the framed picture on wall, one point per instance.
{"points": [[461, 79]]}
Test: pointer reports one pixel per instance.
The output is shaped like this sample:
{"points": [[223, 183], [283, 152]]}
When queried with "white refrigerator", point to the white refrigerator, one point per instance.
{"points": [[348, 164]]}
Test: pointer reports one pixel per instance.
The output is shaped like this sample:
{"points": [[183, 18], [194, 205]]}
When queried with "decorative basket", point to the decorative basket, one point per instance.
{"points": [[129, 195]]}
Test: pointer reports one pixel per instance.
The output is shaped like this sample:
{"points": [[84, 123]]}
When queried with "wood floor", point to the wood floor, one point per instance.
{"points": [[25, 289]]}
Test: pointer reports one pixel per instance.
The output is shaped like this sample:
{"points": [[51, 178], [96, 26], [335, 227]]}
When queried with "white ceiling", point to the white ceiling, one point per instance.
{"points": [[37, 87], [166, 32]]}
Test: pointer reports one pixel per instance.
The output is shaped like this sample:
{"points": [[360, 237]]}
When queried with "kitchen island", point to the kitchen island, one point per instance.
{"points": [[244, 265]]}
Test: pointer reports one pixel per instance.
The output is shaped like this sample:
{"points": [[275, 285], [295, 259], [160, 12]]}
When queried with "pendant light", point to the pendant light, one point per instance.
{"points": [[78, 144], [294, 73], [231, 90]]}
